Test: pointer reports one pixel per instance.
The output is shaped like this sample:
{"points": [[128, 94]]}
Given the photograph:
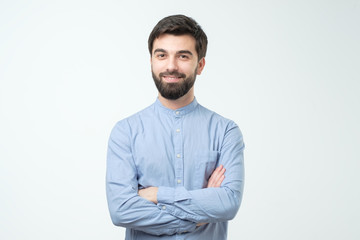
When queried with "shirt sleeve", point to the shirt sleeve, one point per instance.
{"points": [[127, 208], [211, 204]]}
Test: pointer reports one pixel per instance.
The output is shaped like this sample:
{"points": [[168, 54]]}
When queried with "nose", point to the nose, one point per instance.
{"points": [[172, 64]]}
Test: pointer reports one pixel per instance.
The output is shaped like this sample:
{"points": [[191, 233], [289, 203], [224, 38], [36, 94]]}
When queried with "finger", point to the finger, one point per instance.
{"points": [[219, 175], [219, 182], [217, 171], [214, 176]]}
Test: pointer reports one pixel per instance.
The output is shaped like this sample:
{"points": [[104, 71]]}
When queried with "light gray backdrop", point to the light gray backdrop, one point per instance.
{"points": [[286, 71]]}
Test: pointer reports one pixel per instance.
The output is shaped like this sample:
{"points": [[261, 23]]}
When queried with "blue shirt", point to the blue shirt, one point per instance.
{"points": [[175, 150]]}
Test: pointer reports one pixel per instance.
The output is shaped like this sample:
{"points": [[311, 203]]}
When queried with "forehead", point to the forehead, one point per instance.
{"points": [[173, 43]]}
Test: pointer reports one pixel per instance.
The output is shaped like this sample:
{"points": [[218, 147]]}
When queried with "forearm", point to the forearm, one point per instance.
{"points": [[203, 205], [150, 193], [129, 210]]}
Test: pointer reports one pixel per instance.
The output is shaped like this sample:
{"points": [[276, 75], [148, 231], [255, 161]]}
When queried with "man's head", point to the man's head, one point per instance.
{"points": [[180, 25], [177, 47]]}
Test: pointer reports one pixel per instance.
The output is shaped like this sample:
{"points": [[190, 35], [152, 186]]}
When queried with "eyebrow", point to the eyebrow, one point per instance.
{"points": [[159, 50], [185, 51], [178, 52]]}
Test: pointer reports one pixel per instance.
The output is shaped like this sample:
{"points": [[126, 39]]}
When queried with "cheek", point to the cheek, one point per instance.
{"points": [[157, 67], [154, 69], [188, 69]]}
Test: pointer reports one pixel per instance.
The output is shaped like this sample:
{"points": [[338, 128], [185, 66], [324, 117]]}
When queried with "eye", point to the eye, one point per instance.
{"points": [[160, 55], [184, 56]]}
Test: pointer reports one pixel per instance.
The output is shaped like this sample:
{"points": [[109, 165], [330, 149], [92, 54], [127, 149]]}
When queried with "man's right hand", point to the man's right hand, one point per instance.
{"points": [[216, 177]]}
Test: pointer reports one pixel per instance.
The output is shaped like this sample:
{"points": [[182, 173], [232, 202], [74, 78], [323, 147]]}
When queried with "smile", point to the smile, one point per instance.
{"points": [[171, 79]]}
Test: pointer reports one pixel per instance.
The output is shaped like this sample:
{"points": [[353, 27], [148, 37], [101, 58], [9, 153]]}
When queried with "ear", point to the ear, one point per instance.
{"points": [[200, 66]]}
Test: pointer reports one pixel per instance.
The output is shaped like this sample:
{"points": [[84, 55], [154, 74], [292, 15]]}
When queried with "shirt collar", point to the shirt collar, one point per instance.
{"points": [[177, 112]]}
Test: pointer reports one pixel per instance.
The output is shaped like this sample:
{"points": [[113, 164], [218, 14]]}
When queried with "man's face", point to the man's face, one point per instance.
{"points": [[174, 65]]}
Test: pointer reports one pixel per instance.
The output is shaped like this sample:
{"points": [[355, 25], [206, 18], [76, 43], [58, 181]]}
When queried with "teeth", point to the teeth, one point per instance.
{"points": [[172, 79]]}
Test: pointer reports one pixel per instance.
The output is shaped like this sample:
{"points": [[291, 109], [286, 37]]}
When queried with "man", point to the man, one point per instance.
{"points": [[166, 164]]}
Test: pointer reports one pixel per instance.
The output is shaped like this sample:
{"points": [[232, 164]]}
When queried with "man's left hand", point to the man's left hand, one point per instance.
{"points": [[149, 194]]}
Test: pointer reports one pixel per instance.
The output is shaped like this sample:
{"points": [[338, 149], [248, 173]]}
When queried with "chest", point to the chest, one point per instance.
{"points": [[176, 153]]}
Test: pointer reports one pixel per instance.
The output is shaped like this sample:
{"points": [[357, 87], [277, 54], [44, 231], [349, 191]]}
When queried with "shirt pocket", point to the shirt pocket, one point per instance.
{"points": [[205, 165]]}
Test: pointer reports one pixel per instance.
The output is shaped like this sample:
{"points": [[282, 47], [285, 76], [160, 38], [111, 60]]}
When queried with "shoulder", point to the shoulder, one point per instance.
{"points": [[222, 128], [126, 125], [214, 118]]}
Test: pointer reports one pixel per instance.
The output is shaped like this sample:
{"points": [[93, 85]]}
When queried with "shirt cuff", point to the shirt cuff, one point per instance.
{"points": [[186, 226], [170, 195]]}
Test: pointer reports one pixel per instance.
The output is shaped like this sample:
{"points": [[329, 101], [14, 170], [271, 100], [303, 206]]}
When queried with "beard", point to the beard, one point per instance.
{"points": [[173, 91]]}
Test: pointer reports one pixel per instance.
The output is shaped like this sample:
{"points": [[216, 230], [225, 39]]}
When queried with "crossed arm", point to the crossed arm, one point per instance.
{"points": [[215, 180], [177, 209]]}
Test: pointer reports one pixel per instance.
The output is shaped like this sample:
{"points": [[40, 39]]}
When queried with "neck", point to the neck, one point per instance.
{"points": [[178, 103]]}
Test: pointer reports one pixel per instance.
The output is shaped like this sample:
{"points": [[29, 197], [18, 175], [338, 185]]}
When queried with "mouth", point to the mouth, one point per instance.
{"points": [[171, 78]]}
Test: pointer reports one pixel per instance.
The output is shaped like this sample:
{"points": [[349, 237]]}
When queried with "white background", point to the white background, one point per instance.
{"points": [[287, 72]]}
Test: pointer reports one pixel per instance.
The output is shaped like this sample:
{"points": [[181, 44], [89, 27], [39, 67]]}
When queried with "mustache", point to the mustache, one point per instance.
{"points": [[173, 73]]}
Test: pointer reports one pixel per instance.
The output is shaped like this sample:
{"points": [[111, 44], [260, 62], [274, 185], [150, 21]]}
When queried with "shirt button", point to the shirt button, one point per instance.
{"points": [[178, 155], [177, 112], [179, 181], [163, 207], [178, 130]]}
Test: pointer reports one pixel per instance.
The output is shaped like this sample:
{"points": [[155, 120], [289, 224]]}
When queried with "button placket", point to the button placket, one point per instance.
{"points": [[179, 163]]}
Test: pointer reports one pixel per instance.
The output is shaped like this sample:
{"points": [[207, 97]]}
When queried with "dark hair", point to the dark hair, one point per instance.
{"points": [[180, 25]]}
